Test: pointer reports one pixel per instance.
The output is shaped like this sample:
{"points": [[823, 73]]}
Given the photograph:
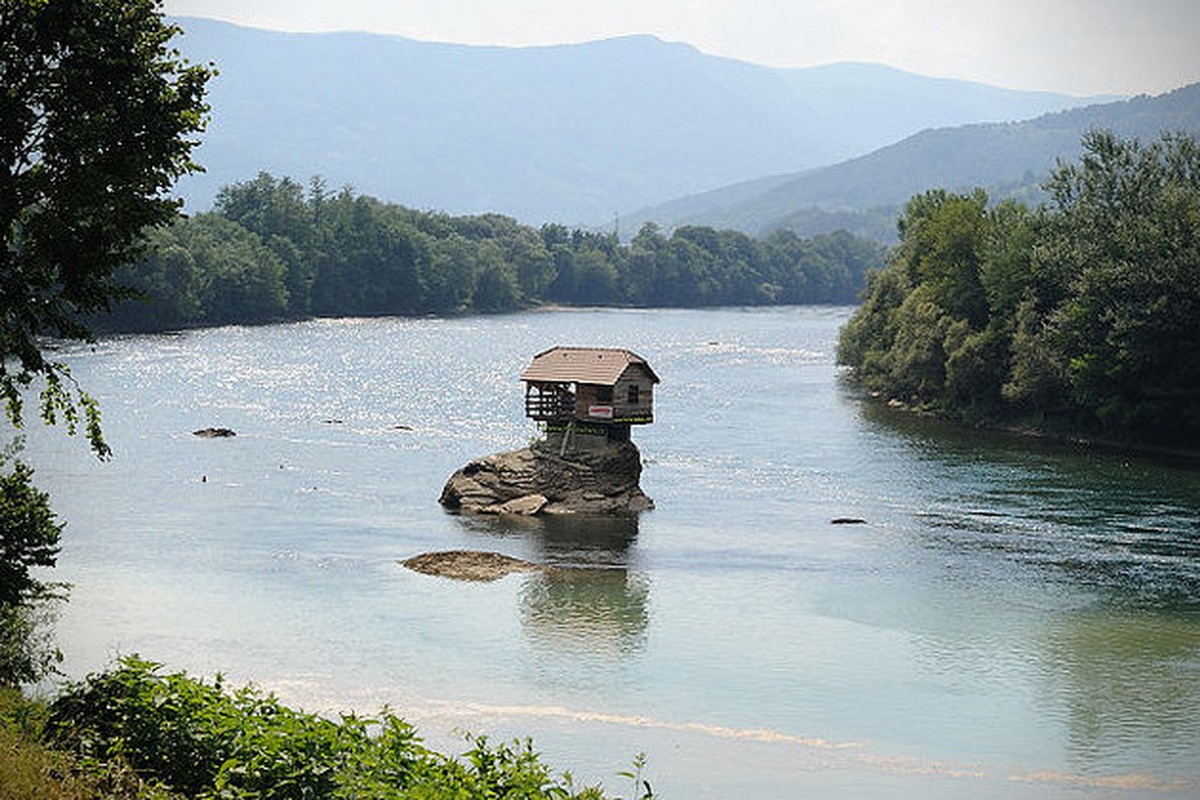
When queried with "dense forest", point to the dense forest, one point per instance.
{"points": [[272, 249], [1082, 314]]}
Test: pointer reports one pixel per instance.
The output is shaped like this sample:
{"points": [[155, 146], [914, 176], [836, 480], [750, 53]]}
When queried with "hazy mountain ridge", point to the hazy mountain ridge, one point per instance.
{"points": [[1005, 158], [570, 133]]}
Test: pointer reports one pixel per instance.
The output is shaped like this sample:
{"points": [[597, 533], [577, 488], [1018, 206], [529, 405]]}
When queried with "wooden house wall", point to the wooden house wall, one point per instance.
{"points": [[644, 407], [588, 395]]}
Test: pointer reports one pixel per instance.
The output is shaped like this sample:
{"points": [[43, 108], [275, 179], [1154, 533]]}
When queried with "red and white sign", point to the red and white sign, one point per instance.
{"points": [[600, 412]]}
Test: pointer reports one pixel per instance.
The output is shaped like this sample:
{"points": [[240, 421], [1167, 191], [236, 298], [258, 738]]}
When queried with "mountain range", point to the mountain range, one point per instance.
{"points": [[570, 133], [864, 194]]}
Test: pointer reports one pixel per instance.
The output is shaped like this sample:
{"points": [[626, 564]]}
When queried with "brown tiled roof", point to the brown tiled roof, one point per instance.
{"points": [[598, 365]]}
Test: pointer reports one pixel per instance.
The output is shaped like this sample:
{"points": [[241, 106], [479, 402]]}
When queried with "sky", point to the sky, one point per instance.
{"points": [[1080, 47]]}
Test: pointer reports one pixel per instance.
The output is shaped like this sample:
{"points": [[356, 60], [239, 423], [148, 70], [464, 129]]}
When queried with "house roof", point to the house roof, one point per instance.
{"points": [[596, 365]]}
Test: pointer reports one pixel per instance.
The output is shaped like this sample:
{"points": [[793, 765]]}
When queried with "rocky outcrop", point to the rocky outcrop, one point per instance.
{"points": [[538, 480]]}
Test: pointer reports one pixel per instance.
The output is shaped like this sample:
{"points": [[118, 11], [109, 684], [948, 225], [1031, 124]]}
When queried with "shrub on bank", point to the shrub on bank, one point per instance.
{"points": [[137, 731]]}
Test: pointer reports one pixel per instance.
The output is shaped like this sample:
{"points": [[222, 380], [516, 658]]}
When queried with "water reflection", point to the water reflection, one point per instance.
{"points": [[601, 612], [1128, 527], [1092, 560], [591, 602], [1130, 684], [930, 435]]}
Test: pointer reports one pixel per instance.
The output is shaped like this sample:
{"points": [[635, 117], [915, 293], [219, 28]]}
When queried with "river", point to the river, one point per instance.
{"points": [[1013, 619]]}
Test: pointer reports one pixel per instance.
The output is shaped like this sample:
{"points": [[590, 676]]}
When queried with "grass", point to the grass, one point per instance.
{"points": [[31, 770]]}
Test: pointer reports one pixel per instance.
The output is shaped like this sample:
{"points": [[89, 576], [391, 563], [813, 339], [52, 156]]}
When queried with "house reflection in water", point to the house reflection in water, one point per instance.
{"points": [[597, 612], [591, 602]]}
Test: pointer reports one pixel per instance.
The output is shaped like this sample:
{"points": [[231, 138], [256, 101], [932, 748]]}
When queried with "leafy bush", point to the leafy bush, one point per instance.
{"points": [[200, 740], [29, 535]]}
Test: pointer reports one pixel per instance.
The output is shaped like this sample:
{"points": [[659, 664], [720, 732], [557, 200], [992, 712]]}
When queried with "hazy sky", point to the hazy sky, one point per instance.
{"points": [[1074, 46]]}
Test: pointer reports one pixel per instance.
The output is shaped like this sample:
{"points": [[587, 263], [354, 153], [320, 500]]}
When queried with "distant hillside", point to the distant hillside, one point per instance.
{"points": [[570, 133], [862, 193]]}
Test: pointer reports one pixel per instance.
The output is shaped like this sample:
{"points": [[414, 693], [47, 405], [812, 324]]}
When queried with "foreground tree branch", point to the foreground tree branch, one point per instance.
{"points": [[98, 118]]}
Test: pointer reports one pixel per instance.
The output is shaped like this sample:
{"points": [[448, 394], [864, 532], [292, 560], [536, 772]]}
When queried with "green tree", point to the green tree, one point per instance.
{"points": [[450, 284], [203, 270], [595, 278], [166, 283], [924, 332], [533, 264], [1085, 312], [344, 254], [865, 342], [97, 119], [943, 244], [646, 257], [843, 260], [1125, 237], [30, 535], [788, 256], [237, 277], [688, 282], [287, 223]]}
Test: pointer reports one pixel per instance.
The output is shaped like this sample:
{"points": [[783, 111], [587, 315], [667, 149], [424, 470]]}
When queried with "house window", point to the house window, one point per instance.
{"points": [[633, 394], [604, 394]]}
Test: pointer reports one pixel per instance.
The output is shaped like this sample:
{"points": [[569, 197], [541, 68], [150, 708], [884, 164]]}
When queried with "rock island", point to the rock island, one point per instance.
{"points": [[586, 400]]}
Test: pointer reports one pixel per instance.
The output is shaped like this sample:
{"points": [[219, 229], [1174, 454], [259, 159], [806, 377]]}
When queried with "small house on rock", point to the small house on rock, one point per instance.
{"points": [[586, 399], [589, 394]]}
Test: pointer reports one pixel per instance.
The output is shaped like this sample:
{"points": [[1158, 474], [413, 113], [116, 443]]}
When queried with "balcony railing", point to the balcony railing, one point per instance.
{"points": [[549, 403]]}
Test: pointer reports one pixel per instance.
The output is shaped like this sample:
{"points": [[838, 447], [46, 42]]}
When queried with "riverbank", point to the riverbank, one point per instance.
{"points": [[1066, 439]]}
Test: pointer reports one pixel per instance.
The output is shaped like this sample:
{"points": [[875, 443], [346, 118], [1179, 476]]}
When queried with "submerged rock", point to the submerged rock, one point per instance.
{"points": [[538, 480], [469, 565]]}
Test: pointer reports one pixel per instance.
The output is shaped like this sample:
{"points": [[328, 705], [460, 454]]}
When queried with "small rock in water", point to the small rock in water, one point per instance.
{"points": [[847, 521], [214, 433]]}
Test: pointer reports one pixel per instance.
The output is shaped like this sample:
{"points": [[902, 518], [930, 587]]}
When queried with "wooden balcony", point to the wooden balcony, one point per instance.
{"points": [[549, 402]]}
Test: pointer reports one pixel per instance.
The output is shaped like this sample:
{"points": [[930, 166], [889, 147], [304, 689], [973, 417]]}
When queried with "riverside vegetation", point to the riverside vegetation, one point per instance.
{"points": [[273, 250], [1081, 316], [135, 731]]}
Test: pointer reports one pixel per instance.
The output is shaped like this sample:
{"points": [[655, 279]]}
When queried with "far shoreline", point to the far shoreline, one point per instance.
{"points": [[1061, 440]]}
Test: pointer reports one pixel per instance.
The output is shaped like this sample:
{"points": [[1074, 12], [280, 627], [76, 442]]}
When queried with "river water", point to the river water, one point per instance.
{"points": [[1012, 620]]}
